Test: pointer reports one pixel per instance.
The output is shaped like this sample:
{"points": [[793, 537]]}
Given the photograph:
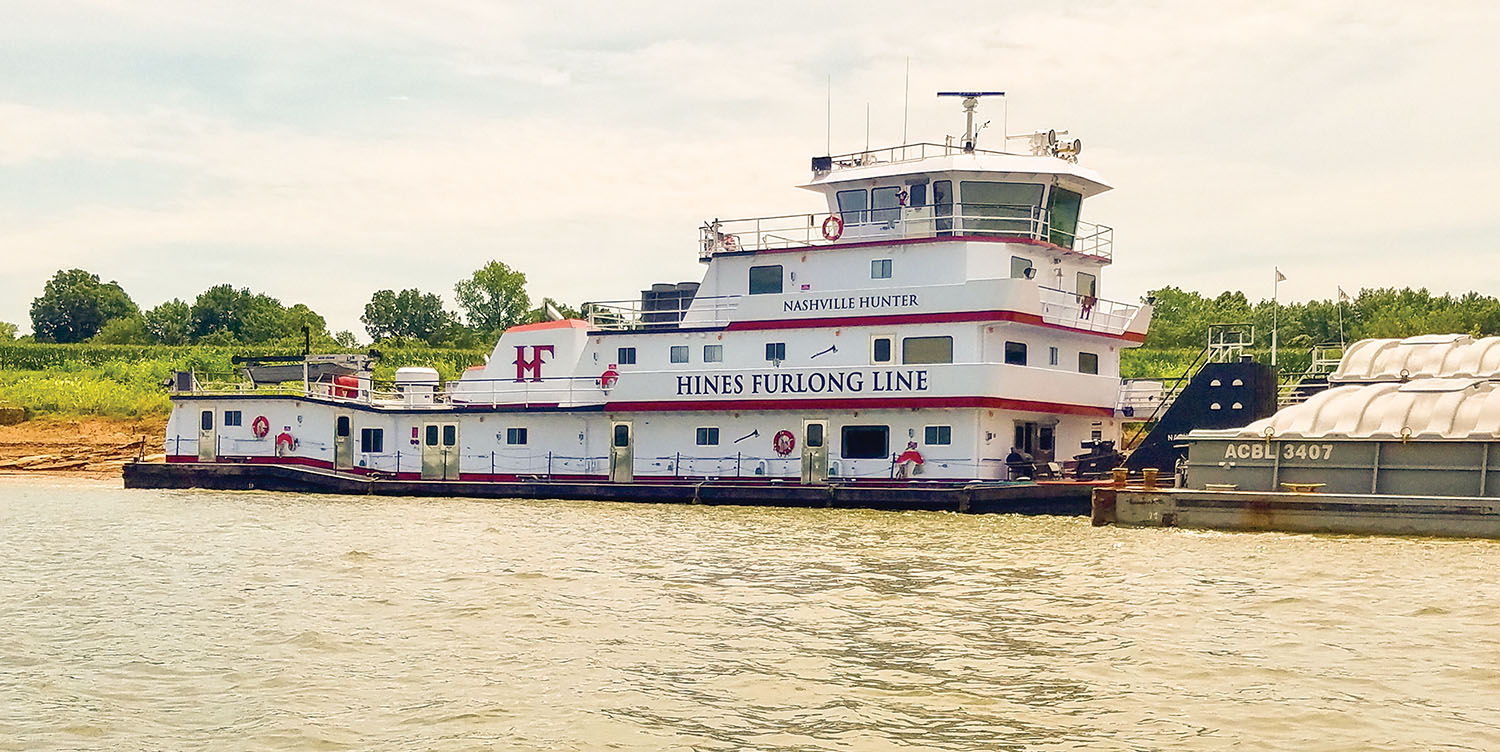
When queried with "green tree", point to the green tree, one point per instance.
{"points": [[170, 323], [493, 298], [221, 308], [409, 313], [346, 339], [75, 304], [7, 331], [125, 330]]}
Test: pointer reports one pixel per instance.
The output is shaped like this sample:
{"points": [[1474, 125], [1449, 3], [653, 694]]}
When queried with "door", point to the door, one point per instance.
{"points": [[814, 451], [343, 443], [207, 438], [621, 452], [440, 451]]}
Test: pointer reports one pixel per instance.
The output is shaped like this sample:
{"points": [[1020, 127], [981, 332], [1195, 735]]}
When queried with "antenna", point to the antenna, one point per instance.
{"points": [[867, 127], [906, 101], [971, 101], [828, 146]]}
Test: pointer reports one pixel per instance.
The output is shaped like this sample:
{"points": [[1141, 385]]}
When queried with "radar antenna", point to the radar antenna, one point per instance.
{"points": [[971, 101]]}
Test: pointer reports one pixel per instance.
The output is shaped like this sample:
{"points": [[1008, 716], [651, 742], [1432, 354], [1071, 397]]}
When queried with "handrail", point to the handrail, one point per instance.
{"points": [[948, 219]]}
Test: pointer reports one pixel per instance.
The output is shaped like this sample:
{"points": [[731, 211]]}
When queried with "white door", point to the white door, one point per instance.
{"points": [[621, 452], [814, 451]]}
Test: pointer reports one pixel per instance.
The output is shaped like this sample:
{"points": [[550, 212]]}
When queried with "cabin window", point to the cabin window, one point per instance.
{"points": [[917, 350], [765, 280], [713, 353], [917, 195], [1015, 353], [1046, 438], [814, 435], [942, 204], [1088, 285], [432, 435], [341, 426], [1062, 216], [206, 421], [679, 353], [881, 349], [1088, 362], [515, 436], [1000, 208], [231, 418], [1053, 356], [708, 436], [865, 442], [776, 351], [372, 440], [1021, 268], [625, 356], [887, 205], [880, 269], [937, 435], [852, 205], [450, 435], [622, 435]]}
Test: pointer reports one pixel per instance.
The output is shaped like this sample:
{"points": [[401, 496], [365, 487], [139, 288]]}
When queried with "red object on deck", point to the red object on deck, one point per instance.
{"points": [[346, 386]]}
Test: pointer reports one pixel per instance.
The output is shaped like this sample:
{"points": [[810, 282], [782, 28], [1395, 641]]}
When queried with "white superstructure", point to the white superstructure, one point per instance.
{"points": [[945, 307]]}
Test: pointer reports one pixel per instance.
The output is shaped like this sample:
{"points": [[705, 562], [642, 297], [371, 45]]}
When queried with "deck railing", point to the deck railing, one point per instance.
{"points": [[669, 313], [1020, 221], [1080, 311]]}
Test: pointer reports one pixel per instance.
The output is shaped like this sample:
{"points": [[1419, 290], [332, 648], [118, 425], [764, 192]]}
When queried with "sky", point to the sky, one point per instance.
{"points": [[320, 151]]}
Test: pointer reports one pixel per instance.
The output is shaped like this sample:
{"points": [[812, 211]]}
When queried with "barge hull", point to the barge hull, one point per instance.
{"points": [[1069, 499], [1365, 514]]}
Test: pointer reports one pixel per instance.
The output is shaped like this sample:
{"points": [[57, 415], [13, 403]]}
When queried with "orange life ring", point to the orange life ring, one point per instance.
{"points": [[833, 227], [260, 426], [608, 379], [783, 442]]}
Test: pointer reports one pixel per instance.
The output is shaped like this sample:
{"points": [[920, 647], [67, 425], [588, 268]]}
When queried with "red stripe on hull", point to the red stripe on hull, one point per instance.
{"points": [[923, 318], [859, 403]]}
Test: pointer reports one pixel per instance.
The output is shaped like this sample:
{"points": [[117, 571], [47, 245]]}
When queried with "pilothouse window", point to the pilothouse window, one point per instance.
{"points": [[1012, 206], [887, 205], [852, 206]]}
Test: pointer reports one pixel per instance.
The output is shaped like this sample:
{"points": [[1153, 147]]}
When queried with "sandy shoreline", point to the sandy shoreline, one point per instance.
{"points": [[92, 447]]}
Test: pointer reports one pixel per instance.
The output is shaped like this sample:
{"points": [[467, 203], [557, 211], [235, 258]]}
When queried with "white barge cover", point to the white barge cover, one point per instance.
{"points": [[1430, 356], [1459, 409]]}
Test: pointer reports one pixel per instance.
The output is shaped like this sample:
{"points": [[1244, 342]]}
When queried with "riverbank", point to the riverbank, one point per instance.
{"points": [[97, 447]]}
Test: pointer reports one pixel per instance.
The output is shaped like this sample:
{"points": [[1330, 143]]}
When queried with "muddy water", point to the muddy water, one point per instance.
{"points": [[208, 620]]}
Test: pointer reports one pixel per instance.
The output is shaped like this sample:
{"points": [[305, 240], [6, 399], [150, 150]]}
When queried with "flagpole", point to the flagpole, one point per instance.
{"points": [[1275, 312], [1341, 317]]}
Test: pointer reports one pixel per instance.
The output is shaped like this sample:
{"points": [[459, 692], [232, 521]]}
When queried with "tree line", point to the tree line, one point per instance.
{"points": [[75, 305]]}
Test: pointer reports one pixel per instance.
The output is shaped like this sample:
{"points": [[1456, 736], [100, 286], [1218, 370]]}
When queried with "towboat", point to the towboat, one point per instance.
{"points": [[941, 322]]}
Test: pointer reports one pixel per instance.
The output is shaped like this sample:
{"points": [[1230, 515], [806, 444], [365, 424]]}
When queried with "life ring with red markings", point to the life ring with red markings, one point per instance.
{"points": [[260, 426], [783, 442], [285, 442], [833, 228], [609, 378]]}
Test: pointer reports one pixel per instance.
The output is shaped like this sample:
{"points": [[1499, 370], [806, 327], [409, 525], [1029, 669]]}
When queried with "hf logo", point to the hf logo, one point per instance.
{"points": [[533, 364]]}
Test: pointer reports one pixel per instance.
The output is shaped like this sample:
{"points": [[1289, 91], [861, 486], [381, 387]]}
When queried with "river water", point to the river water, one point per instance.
{"points": [[212, 620]]}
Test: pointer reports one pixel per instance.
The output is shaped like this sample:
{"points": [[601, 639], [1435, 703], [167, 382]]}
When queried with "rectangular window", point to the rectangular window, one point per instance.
{"points": [[765, 280], [814, 435], [341, 426], [1088, 362], [937, 435], [918, 195], [1046, 438], [887, 205], [622, 435], [713, 353], [865, 442], [1088, 285], [206, 421], [1053, 356], [1015, 353], [1000, 208], [625, 356], [231, 417], [881, 349], [852, 205], [431, 434], [1062, 216], [515, 436], [450, 435], [679, 353], [372, 440], [708, 436], [776, 351], [942, 204], [916, 350], [1021, 268], [880, 269]]}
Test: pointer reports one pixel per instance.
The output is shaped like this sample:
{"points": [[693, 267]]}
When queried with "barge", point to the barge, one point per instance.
{"points": [[937, 331], [1406, 440]]}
